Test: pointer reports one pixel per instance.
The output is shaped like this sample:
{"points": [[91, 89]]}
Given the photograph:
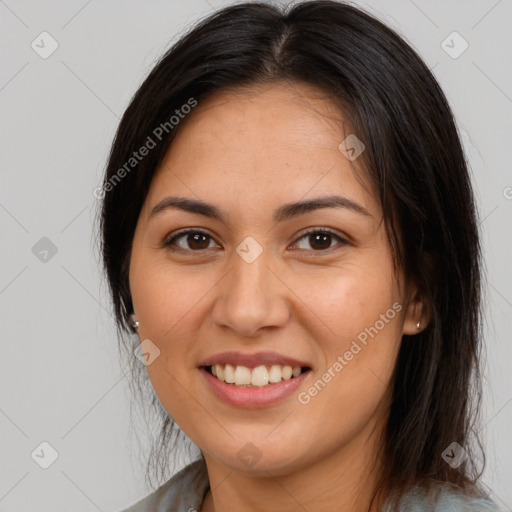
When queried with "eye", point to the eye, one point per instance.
{"points": [[190, 240], [320, 239], [196, 241]]}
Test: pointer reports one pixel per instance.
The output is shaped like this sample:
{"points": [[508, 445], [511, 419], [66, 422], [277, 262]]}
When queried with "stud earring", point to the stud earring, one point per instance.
{"points": [[135, 323], [417, 325]]}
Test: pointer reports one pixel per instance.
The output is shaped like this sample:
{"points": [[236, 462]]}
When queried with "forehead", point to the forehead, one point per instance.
{"points": [[285, 116], [273, 142]]}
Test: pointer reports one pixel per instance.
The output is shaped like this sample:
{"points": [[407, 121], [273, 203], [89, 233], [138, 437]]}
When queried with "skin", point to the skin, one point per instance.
{"points": [[249, 151]]}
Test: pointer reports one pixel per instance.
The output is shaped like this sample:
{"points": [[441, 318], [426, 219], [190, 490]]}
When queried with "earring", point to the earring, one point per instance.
{"points": [[135, 323], [417, 325]]}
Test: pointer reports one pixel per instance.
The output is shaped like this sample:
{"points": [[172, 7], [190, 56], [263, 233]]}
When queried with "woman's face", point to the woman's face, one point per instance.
{"points": [[253, 290]]}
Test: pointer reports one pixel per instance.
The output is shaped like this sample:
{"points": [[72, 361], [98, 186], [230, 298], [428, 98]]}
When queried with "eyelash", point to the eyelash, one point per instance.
{"points": [[169, 244]]}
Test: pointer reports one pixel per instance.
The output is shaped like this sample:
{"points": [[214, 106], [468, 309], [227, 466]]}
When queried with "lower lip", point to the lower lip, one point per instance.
{"points": [[255, 396]]}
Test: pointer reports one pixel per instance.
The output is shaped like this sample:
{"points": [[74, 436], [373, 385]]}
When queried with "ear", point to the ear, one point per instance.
{"points": [[418, 312]]}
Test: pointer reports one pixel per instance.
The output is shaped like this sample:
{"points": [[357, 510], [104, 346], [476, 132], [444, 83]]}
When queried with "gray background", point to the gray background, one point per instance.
{"points": [[60, 379]]}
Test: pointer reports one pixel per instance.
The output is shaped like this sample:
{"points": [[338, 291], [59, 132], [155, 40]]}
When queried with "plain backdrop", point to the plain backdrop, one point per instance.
{"points": [[60, 379]]}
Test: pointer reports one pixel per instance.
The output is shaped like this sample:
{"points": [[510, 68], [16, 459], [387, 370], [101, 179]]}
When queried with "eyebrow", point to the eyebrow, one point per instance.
{"points": [[283, 213]]}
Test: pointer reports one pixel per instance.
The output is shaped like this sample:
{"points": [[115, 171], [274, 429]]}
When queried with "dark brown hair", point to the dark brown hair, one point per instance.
{"points": [[413, 157]]}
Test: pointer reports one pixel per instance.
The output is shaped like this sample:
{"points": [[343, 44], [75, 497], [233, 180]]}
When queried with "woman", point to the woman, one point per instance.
{"points": [[289, 234]]}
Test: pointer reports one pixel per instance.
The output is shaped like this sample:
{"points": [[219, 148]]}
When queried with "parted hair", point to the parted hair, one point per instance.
{"points": [[413, 158]]}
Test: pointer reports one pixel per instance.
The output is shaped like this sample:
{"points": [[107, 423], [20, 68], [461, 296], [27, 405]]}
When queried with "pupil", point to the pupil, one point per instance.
{"points": [[195, 239], [320, 236]]}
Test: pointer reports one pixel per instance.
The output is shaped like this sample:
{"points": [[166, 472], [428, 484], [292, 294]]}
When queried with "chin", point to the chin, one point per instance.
{"points": [[255, 462]]}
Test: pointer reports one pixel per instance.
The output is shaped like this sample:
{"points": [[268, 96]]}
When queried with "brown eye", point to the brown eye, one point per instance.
{"points": [[319, 240], [190, 241], [196, 241]]}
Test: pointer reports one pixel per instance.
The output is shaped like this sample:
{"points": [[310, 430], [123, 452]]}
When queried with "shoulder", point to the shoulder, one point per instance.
{"points": [[447, 499], [184, 492], [455, 501]]}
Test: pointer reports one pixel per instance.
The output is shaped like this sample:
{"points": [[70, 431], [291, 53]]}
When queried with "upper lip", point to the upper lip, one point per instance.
{"points": [[253, 360]]}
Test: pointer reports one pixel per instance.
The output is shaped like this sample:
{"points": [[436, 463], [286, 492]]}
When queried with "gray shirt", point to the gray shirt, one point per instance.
{"points": [[185, 492]]}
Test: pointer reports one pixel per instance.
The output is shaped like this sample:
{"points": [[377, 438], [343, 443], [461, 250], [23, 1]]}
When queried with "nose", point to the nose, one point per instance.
{"points": [[251, 298]]}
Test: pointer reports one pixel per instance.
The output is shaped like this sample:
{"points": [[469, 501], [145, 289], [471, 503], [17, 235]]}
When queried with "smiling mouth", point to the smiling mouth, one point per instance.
{"points": [[259, 376]]}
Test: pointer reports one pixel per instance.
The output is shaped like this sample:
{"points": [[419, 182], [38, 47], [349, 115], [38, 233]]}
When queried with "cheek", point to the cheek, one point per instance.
{"points": [[368, 326], [168, 304], [347, 301], [364, 314], [353, 389], [171, 306], [165, 298]]}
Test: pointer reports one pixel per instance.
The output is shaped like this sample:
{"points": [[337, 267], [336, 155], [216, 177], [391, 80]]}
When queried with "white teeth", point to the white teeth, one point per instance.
{"points": [[287, 372], [242, 375], [275, 373], [229, 373], [259, 376]]}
